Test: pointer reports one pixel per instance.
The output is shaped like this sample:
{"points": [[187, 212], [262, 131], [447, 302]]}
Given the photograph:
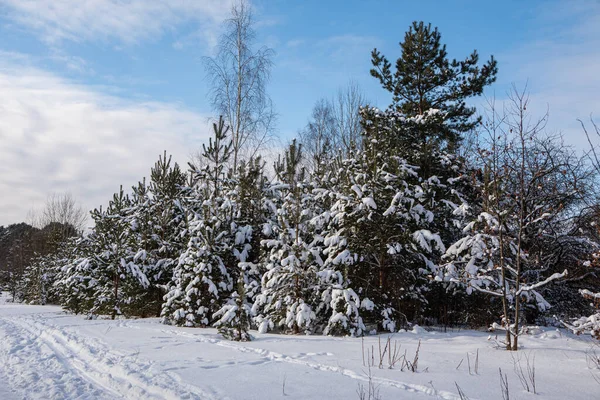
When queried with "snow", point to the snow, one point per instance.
{"points": [[47, 354], [588, 294], [369, 202], [424, 237], [5, 392]]}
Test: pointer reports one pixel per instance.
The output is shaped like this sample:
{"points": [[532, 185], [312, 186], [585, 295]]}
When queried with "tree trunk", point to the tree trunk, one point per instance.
{"points": [[116, 293]]}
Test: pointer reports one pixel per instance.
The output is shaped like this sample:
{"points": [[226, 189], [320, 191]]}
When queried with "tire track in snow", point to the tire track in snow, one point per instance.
{"points": [[115, 373], [278, 357]]}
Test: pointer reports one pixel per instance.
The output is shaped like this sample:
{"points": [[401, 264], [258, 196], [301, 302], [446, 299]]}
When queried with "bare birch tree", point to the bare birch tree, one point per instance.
{"points": [[238, 75]]}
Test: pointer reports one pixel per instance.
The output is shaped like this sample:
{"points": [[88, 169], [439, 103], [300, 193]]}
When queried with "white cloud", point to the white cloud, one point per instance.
{"points": [[72, 63], [56, 136], [127, 21]]}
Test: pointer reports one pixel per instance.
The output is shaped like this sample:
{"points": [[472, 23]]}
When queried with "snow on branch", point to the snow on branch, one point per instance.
{"points": [[551, 278], [588, 294]]}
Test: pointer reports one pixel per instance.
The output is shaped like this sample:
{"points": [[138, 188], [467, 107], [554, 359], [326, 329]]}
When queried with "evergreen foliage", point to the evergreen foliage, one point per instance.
{"points": [[394, 230], [425, 79], [119, 282], [202, 276], [75, 281], [157, 219], [290, 284]]}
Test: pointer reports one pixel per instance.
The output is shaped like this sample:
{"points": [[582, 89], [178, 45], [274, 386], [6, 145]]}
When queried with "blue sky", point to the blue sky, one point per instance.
{"points": [[91, 92]]}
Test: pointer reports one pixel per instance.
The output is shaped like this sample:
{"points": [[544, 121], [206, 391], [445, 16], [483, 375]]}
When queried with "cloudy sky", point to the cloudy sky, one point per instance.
{"points": [[91, 92]]}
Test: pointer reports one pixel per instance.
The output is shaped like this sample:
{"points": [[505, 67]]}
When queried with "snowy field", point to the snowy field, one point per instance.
{"points": [[47, 354]]}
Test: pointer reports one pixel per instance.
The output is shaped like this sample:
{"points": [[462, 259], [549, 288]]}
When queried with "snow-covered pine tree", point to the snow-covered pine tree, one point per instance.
{"points": [[388, 235], [201, 279], [235, 316], [120, 283], [63, 255], [38, 279], [433, 90], [290, 285], [75, 280], [425, 79], [167, 183], [339, 304], [141, 223], [157, 219], [245, 197], [48, 244], [359, 209], [250, 216], [338, 308]]}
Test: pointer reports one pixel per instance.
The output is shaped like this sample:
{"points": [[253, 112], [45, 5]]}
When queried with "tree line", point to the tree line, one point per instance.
{"points": [[373, 220]]}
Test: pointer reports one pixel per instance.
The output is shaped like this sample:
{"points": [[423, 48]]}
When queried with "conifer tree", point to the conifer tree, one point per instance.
{"points": [[201, 279], [120, 283], [141, 224], [235, 315], [244, 194], [37, 280], [75, 280], [250, 216], [289, 286], [425, 84], [387, 236], [338, 307], [425, 79], [40, 276], [157, 218]]}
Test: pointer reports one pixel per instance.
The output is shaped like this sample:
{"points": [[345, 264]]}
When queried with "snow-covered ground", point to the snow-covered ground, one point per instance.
{"points": [[47, 354]]}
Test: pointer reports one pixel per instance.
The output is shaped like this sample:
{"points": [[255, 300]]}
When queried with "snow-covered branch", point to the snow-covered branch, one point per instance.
{"points": [[551, 278]]}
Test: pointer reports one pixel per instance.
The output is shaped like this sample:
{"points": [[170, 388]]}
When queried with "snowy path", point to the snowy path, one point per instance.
{"points": [[67, 366], [85, 368], [46, 354]]}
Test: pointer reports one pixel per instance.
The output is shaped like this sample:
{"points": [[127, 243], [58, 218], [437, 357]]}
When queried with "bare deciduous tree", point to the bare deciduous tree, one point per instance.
{"points": [[61, 209], [346, 105], [318, 137], [595, 158], [590, 324], [334, 126], [239, 75], [532, 186]]}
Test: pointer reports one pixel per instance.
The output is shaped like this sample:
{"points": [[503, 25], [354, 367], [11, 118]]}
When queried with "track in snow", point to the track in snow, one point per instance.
{"points": [[268, 355], [63, 365]]}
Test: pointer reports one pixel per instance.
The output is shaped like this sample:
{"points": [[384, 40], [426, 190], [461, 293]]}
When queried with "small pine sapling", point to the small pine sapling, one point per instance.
{"points": [[235, 316]]}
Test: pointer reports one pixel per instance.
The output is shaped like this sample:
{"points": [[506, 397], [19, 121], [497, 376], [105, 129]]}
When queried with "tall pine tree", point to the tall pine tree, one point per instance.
{"points": [[425, 79], [202, 280]]}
